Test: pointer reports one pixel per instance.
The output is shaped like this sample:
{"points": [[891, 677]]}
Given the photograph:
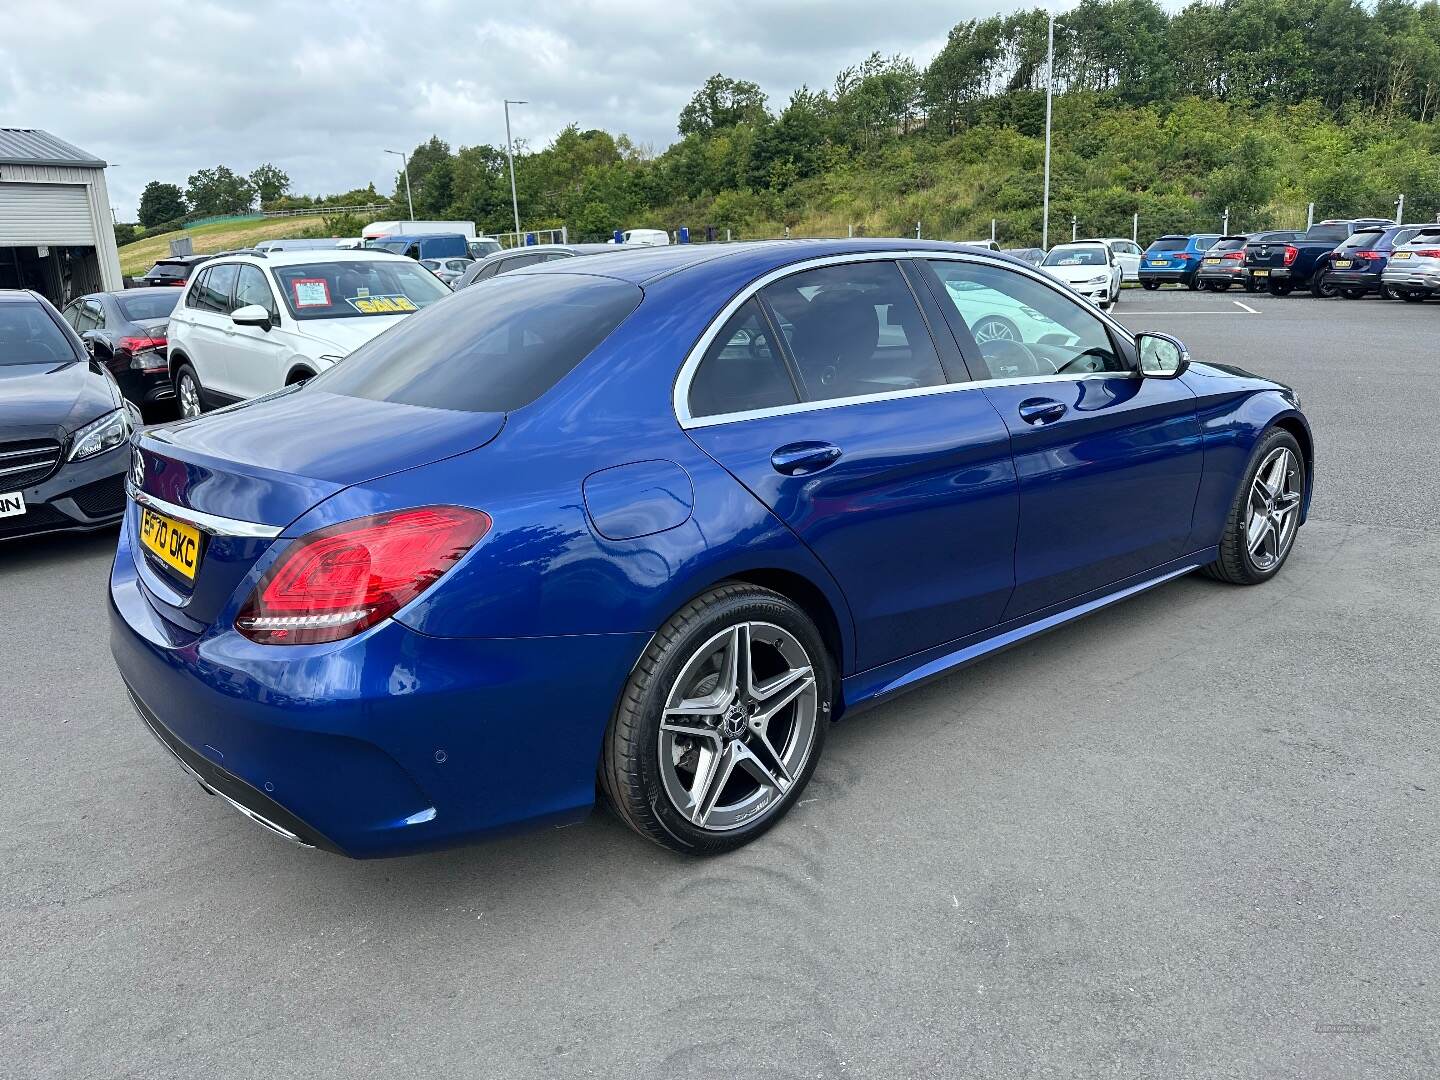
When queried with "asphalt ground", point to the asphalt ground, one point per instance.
{"points": [[1194, 835]]}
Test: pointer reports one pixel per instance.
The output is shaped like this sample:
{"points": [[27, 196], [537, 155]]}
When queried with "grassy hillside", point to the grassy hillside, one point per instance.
{"points": [[138, 257]]}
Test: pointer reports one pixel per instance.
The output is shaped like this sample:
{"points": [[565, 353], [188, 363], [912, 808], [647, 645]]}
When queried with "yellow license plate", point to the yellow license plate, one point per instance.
{"points": [[1402, 254], [1260, 273], [1212, 262], [1342, 264], [173, 542]]}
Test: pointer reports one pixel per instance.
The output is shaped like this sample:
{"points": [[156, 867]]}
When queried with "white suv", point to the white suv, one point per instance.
{"points": [[250, 323]]}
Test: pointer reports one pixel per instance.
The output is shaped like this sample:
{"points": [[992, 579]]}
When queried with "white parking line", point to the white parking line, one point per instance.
{"points": [[1167, 314], [1245, 307]]}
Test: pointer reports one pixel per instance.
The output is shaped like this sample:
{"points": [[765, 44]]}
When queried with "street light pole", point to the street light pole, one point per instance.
{"points": [[510, 154], [1049, 87], [405, 164]]}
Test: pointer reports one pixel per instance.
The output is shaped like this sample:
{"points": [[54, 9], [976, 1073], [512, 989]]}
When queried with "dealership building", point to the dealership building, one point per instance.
{"points": [[56, 230]]}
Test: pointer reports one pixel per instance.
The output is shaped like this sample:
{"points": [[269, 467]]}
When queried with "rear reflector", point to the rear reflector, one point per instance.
{"points": [[335, 582]]}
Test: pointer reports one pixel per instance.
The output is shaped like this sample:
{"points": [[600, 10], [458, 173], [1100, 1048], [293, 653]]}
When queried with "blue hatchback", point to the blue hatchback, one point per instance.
{"points": [[1175, 259], [646, 523]]}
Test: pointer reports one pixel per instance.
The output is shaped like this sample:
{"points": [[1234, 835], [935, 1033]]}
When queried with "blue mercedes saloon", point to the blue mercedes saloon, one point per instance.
{"points": [[646, 523]]}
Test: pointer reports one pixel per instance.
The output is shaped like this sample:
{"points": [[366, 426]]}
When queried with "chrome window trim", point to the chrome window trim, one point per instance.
{"points": [[680, 396], [213, 524]]}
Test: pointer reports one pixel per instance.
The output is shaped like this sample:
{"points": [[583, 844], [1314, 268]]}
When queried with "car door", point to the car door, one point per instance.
{"points": [[1128, 256], [825, 395], [254, 354], [206, 313], [1108, 462]]}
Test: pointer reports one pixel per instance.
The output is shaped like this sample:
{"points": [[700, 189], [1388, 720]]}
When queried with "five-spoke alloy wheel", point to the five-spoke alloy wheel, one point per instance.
{"points": [[1263, 520], [722, 721]]}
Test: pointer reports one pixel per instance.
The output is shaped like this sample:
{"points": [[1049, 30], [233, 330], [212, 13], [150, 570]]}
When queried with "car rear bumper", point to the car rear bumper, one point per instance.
{"points": [[1412, 279], [1272, 272], [79, 496], [389, 743], [1222, 273], [1351, 279], [1172, 274]]}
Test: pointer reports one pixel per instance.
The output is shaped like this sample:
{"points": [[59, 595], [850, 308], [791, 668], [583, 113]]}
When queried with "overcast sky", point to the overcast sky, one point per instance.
{"points": [[160, 89]]}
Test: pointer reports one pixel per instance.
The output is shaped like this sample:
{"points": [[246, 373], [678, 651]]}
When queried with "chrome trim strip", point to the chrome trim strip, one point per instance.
{"points": [[680, 396], [213, 524], [10, 470], [263, 822]]}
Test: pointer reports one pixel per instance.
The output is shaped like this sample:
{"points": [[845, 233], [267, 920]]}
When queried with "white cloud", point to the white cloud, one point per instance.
{"points": [[322, 89]]}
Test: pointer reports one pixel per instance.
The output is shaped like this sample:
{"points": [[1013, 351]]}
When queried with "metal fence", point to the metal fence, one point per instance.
{"points": [[306, 211], [534, 236]]}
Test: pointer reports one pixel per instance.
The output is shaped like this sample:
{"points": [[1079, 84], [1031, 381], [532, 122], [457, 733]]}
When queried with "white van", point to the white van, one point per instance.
{"points": [[643, 238]]}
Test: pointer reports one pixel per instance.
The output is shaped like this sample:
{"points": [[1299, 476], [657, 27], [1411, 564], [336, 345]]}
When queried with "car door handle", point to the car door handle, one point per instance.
{"points": [[1039, 410], [803, 458]]}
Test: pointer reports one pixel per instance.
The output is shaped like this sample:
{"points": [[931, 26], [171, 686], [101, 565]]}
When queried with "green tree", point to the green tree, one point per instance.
{"points": [[219, 191], [269, 182], [160, 203], [722, 103]]}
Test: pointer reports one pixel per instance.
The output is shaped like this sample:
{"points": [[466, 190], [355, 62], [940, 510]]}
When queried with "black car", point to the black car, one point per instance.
{"points": [[64, 426], [502, 262], [174, 271], [125, 332]]}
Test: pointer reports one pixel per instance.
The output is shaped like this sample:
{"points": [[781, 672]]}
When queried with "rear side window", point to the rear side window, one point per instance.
{"points": [[28, 335], [1170, 243], [214, 291], [492, 348], [854, 330], [1205, 243], [742, 370]]}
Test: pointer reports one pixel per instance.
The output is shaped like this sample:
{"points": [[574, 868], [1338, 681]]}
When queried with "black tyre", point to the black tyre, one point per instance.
{"points": [[1385, 293], [721, 723], [1149, 286], [1250, 286], [189, 398], [1193, 283], [995, 328], [1220, 286], [1353, 294], [1411, 297], [1321, 287], [1265, 516], [1281, 288]]}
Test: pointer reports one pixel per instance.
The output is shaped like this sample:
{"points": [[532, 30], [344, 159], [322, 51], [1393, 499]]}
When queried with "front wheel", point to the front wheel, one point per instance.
{"points": [[1260, 530], [187, 393], [721, 723], [1149, 286]]}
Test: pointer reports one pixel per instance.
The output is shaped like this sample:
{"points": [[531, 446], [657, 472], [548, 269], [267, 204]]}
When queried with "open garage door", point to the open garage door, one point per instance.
{"points": [[35, 214]]}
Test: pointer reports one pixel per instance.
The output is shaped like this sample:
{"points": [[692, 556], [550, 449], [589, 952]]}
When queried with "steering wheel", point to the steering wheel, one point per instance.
{"points": [[1095, 353], [1009, 359]]}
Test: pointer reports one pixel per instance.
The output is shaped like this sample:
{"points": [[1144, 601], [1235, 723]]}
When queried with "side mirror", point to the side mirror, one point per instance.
{"points": [[251, 315], [1161, 356]]}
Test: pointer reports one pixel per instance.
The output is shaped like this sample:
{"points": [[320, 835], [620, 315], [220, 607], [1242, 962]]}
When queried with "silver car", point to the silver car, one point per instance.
{"points": [[447, 270], [1413, 272]]}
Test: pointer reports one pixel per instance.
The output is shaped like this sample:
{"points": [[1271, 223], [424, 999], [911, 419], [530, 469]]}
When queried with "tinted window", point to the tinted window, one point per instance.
{"points": [[195, 297], [168, 271], [1077, 256], [348, 290], [1230, 243], [71, 313], [504, 266], [854, 329], [1275, 238], [1329, 234], [1205, 243], [493, 348], [29, 336], [1362, 241], [252, 288], [1023, 328], [742, 369], [1169, 243], [147, 306], [1404, 236], [215, 289]]}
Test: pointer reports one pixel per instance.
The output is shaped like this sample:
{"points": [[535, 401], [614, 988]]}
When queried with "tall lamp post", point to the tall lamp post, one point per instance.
{"points": [[510, 153], [1049, 87], [405, 163]]}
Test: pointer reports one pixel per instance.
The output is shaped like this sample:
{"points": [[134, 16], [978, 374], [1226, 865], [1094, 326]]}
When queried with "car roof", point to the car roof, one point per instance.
{"points": [[18, 296], [311, 256], [756, 256], [1082, 243]]}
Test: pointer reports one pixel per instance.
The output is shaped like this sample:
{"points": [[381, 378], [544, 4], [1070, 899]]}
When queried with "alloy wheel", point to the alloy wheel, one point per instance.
{"points": [[1274, 512], [189, 397], [993, 328], [739, 726]]}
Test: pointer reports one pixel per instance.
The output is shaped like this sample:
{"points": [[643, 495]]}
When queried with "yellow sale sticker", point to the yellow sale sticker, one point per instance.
{"points": [[382, 305]]}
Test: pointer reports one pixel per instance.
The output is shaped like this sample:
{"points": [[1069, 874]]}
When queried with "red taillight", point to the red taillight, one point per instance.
{"points": [[1291, 254], [333, 583], [1233, 255], [1428, 253], [147, 353]]}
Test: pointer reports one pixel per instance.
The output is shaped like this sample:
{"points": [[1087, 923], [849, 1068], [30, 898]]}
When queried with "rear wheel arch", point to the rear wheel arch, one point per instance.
{"points": [[177, 360], [299, 373]]}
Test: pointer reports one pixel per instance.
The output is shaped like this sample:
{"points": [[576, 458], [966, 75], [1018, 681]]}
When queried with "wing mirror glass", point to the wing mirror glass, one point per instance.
{"points": [[1161, 356], [251, 315]]}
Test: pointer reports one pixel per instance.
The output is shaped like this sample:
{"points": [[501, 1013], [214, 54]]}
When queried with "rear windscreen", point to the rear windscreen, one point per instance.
{"points": [[1170, 243], [1230, 243], [1326, 234], [169, 270], [28, 335], [1362, 241], [147, 306], [492, 348]]}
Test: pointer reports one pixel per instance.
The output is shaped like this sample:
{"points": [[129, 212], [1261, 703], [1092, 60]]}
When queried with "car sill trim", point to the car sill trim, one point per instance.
{"points": [[213, 524]]}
